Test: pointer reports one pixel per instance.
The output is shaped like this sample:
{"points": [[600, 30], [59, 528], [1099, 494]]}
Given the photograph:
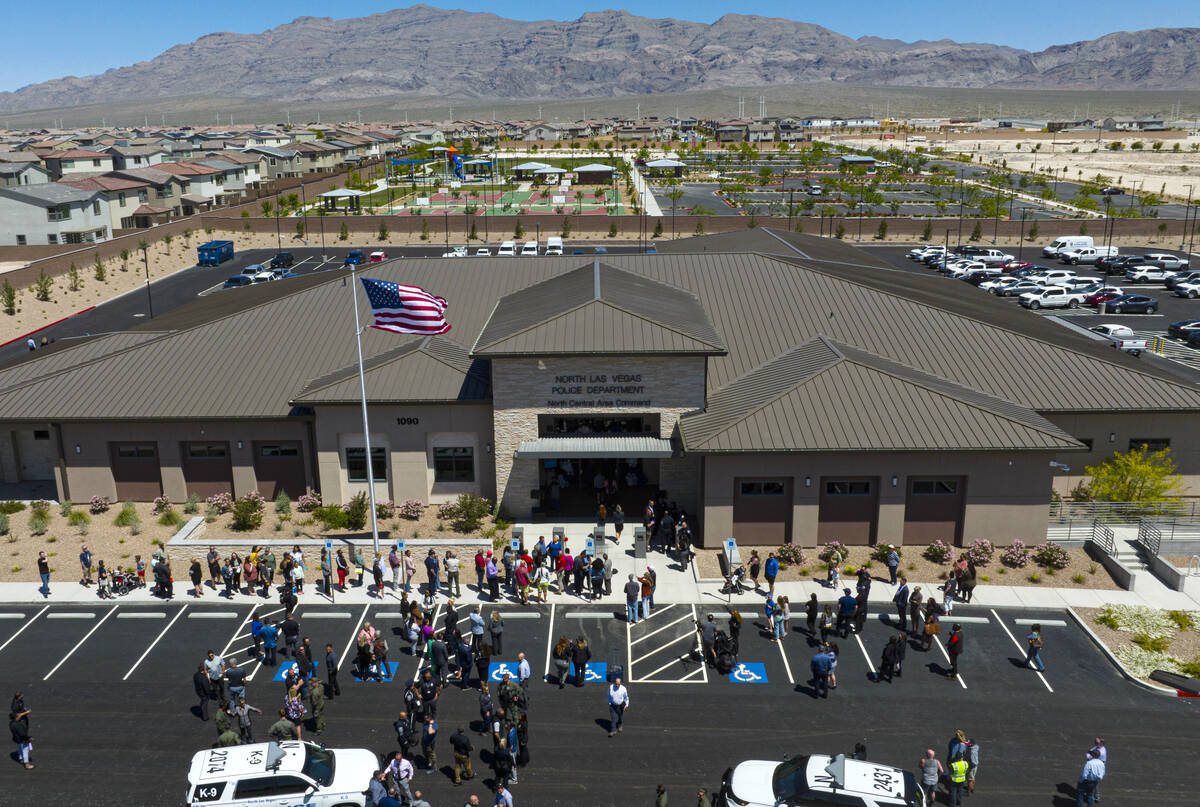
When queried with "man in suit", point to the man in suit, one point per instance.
{"points": [[204, 690], [333, 690]]}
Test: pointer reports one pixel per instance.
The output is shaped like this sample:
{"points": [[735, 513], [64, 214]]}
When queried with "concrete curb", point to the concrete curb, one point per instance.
{"points": [[1155, 688]]}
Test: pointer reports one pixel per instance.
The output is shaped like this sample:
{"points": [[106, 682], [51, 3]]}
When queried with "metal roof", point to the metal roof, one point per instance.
{"points": [[49, 192], [65, 353], [823, 396], [598, 309], [600, 446]]}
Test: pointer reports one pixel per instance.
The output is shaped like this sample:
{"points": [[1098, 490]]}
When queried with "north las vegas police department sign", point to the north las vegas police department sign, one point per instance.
{"points": [[597, 391]]}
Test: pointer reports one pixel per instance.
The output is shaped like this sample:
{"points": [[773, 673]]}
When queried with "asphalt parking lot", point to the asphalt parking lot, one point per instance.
{"points": [[111, 694]]}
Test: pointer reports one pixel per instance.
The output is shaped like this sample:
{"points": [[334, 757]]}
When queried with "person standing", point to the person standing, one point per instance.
{"points": [[214, 665], [702, 798], [432, 568], [958, 780], [241, 712], [503, 796], [755, 567], [396, 565], [269, 633], [461, 744], [1089, 779], [492, 573], [429, 743], [1033, 640], [316, 703], [914, 609], [822, 667], [770, 571], [949, 592], [43, 564], [893, 563], [860, 610], [283, 729], [811, 609], [477, 625], [846, 605], [523, 673], [708, 640], [900, 600], [18, 725], [887, 661], [931, 773], [85, 565], [973, 760], [618, 518], [618, 702], [660, 796], [632, 590], [954, 647], [1102, 754], [496, 633], [291, 635], [331, 672], [204, 690], [647, 594], [580, 655], [452, 570]]}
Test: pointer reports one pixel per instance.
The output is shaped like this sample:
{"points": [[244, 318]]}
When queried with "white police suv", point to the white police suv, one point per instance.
{"points": [[818, 780], [287, 774]]}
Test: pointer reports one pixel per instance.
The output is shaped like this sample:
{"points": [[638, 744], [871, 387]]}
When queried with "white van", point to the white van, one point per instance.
{"points": [[507, 249], [554, 245], [279, 775], [530, 248], [1066, 243]]}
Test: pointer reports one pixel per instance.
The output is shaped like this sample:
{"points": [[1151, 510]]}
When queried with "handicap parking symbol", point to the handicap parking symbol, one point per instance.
{"points": [[282, 672], [595, 671], [749, 673], [497, 669], [385, 675]]}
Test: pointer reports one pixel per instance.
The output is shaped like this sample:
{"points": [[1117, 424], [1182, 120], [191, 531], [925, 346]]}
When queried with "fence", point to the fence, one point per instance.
{"points": [[1103, 537], [1078, 529], [1153, 532], [1121, 512]]}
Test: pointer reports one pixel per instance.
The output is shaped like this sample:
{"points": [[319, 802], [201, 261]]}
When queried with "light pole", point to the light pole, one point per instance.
{"points": [[446, 221], [146, 262], [1021, 239], [996, 230], [278, 235], [1186, 216]]}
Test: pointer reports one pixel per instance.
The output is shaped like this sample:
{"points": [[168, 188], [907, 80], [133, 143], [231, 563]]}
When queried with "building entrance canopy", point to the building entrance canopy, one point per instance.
{"points": [[596, 446]]}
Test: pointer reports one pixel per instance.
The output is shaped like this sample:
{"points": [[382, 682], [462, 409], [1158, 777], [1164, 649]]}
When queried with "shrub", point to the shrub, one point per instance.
{"points": [[169, 518], [308, 502], [99, 504], [78, 518], [128, 516], [283, 504], [1051, 556], [162, 504], [826, 553], [1143, 662], [880, 553], [791, 554], [10, 507], [192, 505], [446, 510], [1035, 578], [40, 506], [222, 502], [1078, 578], [385, 510], [939, 552], [1182, 619], [357, 510], [211, 513], [1016, 555], [331, 518], [469, 511], [64, 508], [980, 552], [1137, 619], [1153, 644], [39, 523], [411, 509], [4, 525], [248, 511]]}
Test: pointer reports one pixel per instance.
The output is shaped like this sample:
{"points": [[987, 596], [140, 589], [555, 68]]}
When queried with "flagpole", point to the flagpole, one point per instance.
{"points": [[362, 385]]}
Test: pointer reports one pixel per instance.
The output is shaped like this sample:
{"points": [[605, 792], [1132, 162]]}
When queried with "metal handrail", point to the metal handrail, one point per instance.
{"points": [[1121, 511]]}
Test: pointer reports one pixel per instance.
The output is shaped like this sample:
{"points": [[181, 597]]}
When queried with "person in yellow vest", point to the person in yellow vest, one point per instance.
{"points": [[958, 780]]}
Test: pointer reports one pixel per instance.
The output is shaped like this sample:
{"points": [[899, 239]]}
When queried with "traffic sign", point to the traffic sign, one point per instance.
{"points": [[749, 673], [399, 547], [590, 545], [515, 543], [328, 546], [731, 552]]}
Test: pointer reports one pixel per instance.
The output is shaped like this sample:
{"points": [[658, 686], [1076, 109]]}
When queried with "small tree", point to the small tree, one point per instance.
{"points": [[1083, 228], [42, 286], [73, 282], [977, 233], [99, 269], [566, 228], [344, 232], [300, 228], [840, 232], [927, 233], [124, 260], [658, 229], [474, 234], [699, 228], [1138, 475], [424, 230], [266, 207], [1033, 232], [1162, 225], [383, 231], [8, 297], [518, 231], [167, 239], [882, 233], [612, 230]]}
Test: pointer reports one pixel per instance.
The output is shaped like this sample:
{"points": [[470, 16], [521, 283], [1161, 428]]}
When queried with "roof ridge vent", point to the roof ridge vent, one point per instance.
{"points": [[596, 279]]}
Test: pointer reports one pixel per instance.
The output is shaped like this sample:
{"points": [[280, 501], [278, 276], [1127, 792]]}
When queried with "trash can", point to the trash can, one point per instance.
{"points": [[639, 543]]}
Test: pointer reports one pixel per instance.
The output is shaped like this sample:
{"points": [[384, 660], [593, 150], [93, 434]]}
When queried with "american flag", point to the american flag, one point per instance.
{"points": [[405, 309]]}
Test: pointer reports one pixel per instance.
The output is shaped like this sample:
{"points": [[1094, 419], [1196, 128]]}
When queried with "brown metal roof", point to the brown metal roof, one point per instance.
{"points": [[64, 354], [430, 368], [822, 396], [598, 309]]}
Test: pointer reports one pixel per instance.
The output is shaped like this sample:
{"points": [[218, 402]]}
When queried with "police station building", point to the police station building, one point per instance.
{"points": [[794, 391]]}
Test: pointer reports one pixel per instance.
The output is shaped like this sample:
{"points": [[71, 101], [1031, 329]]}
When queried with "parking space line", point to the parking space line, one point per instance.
{"points": [[142, 615], [330, 615], [425, 656], [660, 647], [390, 615], [142, 657], [786, 665], [700, 647], [1045, 623], [938, 642], [664, 627], [1018, 645], [518, 614], [213, 615], [265, 617], [744, 615], [353, 636], [71, 615], [588, 615], [967, 620], [23, 627], [549, 639], [71, 652], [863, 648], [13, 616]]}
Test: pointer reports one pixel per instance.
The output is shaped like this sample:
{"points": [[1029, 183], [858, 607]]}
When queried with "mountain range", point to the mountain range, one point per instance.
{"points": [[434, 52]]}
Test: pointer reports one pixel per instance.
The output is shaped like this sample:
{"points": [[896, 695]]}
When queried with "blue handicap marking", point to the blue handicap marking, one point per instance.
{"points": [[749, 673], [281, 673], [595, 671], [497, 669], [389, 673]]}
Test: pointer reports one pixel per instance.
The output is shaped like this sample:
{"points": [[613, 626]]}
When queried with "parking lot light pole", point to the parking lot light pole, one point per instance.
{"points": [[278, 236], [146, 263], [1186, 216], [1021, 239]]}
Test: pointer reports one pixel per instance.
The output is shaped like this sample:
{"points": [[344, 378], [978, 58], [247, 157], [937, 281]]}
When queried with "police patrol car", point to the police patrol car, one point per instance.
{"points": [[818, 780], [287, 774]]}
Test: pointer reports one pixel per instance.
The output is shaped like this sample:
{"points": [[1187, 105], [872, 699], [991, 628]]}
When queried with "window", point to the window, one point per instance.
{"points": [[935, 487], [139, 450], [20, 240], [51, 238], [58, 213], [96, 208], [270, 786], [96, 162], [41, 434], [763, 488], [206, 450], [121, 198], [278, 451], [143, 196], [847, 488], [356, 464], [454, 464], [165, 192], [68, 163], [1152, 444]]}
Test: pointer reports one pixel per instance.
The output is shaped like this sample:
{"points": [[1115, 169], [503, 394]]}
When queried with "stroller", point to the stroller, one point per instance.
{"points": [[123, 582], [734, 581], [723, 652]]}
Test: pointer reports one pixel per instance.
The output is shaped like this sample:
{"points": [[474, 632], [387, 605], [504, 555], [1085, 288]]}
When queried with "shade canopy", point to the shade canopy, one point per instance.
{"points": [[598, 446]]}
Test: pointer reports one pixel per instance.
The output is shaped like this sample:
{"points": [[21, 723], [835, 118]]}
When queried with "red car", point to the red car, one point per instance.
{"points": [[1008, 267], [1100, 297], [377, 257]]}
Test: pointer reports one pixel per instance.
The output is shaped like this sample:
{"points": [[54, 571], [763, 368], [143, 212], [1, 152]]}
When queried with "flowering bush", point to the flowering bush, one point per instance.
{"points": [[40, 506], [980, 552], [833, 546], [247, 511], [790, 554], [1152, 622], [221, 502], [308, 502], [1143, 662], [162, 504], [385, 509], [411, 509], [447, 510], [939, 552], [1015, 556], [1051, 556], [99, 504], [881, 552]]}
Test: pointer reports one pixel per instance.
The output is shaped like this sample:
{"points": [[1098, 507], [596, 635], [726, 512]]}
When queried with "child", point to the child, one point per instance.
{"points": [[141, 570]]}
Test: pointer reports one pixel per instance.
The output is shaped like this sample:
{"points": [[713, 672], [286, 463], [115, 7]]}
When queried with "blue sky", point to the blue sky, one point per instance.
{"points": [[37, 48]]}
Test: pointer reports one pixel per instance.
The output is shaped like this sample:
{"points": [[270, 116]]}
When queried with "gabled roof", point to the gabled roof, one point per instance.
{"points": [[104, 183], [826, 396], [598, 309], [431, 368]]}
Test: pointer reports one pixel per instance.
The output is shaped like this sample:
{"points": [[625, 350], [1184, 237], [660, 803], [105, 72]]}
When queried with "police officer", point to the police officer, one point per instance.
{"points": [[958, 780], [461, 743], [316, 700]]}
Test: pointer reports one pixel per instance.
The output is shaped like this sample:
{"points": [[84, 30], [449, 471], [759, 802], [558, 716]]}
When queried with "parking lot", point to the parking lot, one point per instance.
{"points": [[111, 684]]}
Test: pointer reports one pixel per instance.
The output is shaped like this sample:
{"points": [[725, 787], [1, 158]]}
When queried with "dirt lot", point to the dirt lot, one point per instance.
{"points": [[920, 570], [120, 545]]}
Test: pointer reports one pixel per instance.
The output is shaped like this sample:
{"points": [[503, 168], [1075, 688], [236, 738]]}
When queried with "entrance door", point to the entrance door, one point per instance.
{"points": [[135, 471], [206, 469], [849, 510], [36, 455], [279, 468], [762, 510], [933, 509]]}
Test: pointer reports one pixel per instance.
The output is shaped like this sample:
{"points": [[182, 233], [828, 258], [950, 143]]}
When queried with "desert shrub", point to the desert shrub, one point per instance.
{"points": [[39, 523], [791, 554], [1016, 555], [826, 553], [385, 510], [939, 552], [308, 502], [1153, 644], [880, 553], [980, 552], [8, 508], [211, 513], [1077, 578], [411, 509], [192, 505], [1143, 662], [99, 504], [469, 511], [40, 506], [1137, 619], [1051, 556], [4, 525], [1035, 578], [65, 507], [223, 502], [1184, 620], [357, 511], [331, 517], [248, 511], [128, 516], [283, 504], [78, 518], [446, 510], [161, 504]]}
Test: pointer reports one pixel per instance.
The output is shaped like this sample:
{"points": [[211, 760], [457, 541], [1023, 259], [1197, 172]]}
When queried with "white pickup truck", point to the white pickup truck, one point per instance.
{"points": [[1088, 255], [993, 257], [1052, 297]]}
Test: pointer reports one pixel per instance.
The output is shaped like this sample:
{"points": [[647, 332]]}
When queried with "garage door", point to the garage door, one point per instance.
{"points": [[279, 468], [206, 469], [762, 510], [933, 509], [36, 455], [849, 510], [135, 471]]}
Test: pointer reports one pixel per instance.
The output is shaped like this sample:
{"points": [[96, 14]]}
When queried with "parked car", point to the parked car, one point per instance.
{"points": [[815, 190], [1133, 304], [1186, 276], [483, 252], [377, 257], [1193, 340], [1189, 290], [923, 252], [455, 252], [282, 260], [1112, 190], [1053, 277], [1014, 265], [969, 249], [963, 268], [809, 781], [994, 257], [1147, 274], [238, 280], [997, 282], [1016, 289], [1104, 295], [1183, 328], [1166, 260], [977, 276], [1080, 282], [1113, 331], [1051, 297], [1088, 255], [354, 257], [1117, 264]]}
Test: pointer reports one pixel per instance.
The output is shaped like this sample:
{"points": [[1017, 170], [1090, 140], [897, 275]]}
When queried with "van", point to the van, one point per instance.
{"points": [[507, 249], [530, 248], [1065, 243], [554, 245]]}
